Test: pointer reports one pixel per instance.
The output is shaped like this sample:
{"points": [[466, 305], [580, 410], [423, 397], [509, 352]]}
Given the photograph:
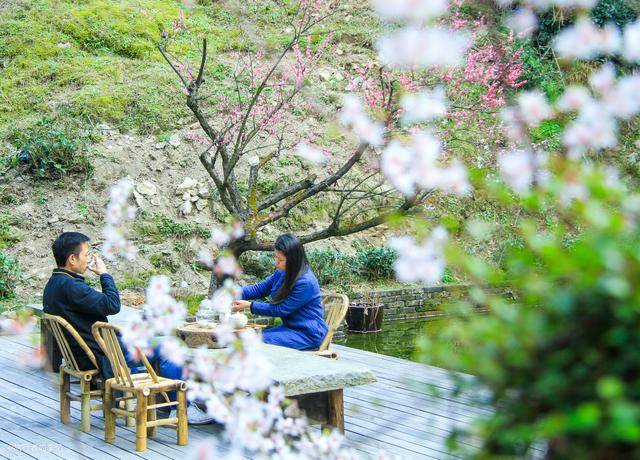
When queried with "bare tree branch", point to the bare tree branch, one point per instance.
{"points": [[315, 189], [287, 192]]}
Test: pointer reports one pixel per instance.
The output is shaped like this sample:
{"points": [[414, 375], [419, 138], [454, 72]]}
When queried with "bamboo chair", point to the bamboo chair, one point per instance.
{"points": [[338, 305], [144, 387], [69, 367]]}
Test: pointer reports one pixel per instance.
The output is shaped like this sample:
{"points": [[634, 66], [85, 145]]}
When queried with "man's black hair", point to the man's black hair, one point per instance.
{"points": [[66, 244]]}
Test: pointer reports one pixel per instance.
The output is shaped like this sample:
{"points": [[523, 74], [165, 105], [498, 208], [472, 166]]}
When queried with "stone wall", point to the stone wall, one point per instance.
{"points": [[411, 303], [416, 303]]}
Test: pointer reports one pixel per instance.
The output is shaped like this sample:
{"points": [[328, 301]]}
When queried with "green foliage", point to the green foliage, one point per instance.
{"points": [[158, 228], [560, 361], [7, 235], [136, 280], [332, 267], [553, 21], [50, 152], [9, 276], [376, 262], [540, 70], [192, 302], [550, 132], [164, 262]]}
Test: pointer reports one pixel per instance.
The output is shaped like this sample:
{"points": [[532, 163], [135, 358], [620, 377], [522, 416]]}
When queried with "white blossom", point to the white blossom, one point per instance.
{"points": [[314, 155], [631, 42], [415, 11], [397, 164], [584, 40], [424, 106], [524, 22], [219, 237], [423, 47], [519, 168], [454, 179], [623, 101], [117, 214], [422, 262], [353, 115], [574, 98], [594, 128], [534, 107], [604, 79]]}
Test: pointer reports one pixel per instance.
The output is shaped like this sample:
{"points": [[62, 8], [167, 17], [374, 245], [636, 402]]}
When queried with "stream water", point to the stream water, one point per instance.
{"points": [[396, 338]]}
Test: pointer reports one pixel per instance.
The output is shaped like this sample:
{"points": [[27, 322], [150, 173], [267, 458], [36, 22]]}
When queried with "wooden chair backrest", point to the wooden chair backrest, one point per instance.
{"points": [[107, 337], [57, 325], [338, 306]]}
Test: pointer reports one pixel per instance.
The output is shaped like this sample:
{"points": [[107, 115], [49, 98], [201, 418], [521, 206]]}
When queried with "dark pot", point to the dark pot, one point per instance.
{"points": [[366, 317]]}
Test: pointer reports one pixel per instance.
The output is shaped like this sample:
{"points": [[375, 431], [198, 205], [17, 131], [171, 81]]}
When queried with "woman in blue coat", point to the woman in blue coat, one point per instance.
{"points": [[295, 298]]}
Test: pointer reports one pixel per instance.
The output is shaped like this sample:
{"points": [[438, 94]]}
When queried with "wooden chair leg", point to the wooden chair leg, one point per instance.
{"points": [[151, 415], [109, 416], [128, 405], [141, 422], [65, 402], [85, 405], [183, 433]]}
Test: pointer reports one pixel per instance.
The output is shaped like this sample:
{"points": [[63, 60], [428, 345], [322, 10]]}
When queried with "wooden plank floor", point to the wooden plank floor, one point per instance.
{"points": [[398, 414]]}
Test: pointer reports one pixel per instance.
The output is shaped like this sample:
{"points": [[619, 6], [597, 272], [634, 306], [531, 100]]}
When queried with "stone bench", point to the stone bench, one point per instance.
{"points": [[317, 383]]}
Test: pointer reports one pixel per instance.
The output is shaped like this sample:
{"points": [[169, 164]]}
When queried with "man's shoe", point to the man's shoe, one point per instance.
{"points": [[195, 416]]}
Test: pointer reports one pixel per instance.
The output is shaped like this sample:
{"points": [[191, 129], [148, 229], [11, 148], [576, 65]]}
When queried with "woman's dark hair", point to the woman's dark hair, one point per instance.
{"points": [[66, 244], [297, 263]]}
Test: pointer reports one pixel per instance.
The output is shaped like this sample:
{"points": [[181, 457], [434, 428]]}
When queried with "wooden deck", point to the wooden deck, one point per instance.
{"points": [[397, 414]]}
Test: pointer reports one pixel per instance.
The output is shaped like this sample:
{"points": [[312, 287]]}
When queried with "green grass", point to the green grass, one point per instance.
{"points": [[137, 280], [158, 228], [97, 60]]}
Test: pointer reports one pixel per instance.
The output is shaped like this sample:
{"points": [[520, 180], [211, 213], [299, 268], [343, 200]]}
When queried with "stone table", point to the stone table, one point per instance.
{"points": [[317, 383]]}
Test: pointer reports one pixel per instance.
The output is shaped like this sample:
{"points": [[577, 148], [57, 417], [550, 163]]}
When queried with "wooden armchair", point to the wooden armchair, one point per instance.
{"points": [[144, 387], [69, 367], [338, 305]]}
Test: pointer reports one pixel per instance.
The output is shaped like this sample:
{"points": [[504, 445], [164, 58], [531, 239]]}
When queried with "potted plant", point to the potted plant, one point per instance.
{"points": [[365, 315]]}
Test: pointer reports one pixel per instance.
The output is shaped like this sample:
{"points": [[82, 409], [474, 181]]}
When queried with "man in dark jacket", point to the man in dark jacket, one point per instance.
{"points": [[66, 294]]}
